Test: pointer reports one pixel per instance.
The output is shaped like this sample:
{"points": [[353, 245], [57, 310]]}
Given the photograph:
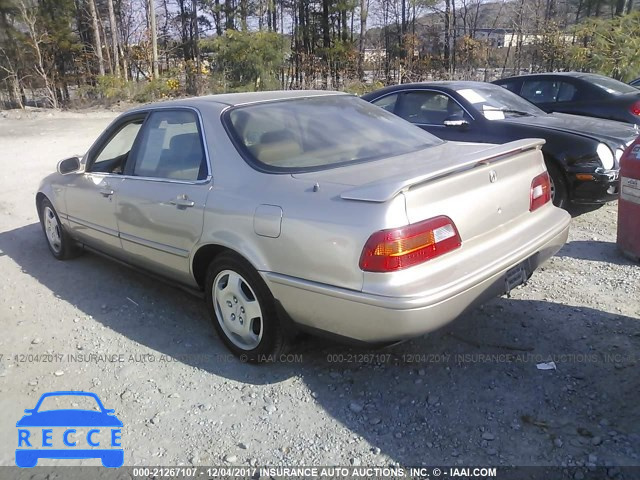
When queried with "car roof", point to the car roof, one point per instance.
{"points": [[73, 393], [447, 84], [583, 75], [233, 99]]}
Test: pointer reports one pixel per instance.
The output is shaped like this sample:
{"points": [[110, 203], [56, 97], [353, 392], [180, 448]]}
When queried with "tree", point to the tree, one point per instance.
{"points": [[154, 38], [114, 37], [249, 60], [96, 35], [35, 38], [612, 46], [364, 13]]}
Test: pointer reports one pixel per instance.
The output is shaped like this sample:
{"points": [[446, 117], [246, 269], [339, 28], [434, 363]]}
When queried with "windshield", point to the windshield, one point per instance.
{"points": [[497, 103], [69, 402], [322, 132], [610, 85]]}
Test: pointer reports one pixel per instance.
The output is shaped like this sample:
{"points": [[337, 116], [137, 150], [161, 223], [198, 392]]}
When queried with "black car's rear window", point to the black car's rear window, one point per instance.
{"points": [[611, 85], [321, 132]]}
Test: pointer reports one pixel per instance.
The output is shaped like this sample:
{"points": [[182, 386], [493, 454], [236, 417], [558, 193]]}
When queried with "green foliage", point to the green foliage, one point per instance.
{"points": [[156, 89], [360, 88], [248, 60], [610, 47], [471, 53], [111, 88]]}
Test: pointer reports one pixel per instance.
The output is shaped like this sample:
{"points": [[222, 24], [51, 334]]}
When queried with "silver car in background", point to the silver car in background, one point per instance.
{"points": [[306, 211]]}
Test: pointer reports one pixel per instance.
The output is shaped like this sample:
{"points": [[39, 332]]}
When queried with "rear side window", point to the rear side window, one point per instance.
{"points": [[171, 147], [567, 92], [540, 91], [549, 91], [321, 132]]}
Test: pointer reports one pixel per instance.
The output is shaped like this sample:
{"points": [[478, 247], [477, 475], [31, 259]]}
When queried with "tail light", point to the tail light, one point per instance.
{"points": [[400, 248], [635, 108], [540, 191]]}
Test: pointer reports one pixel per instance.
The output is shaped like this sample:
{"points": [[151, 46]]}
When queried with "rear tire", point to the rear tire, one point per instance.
{"points": [[60, 244], [559, 191], [243, 310]]}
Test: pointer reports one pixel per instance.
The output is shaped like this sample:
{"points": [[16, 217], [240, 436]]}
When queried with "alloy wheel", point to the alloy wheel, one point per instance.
{"points": [[237, 310]]}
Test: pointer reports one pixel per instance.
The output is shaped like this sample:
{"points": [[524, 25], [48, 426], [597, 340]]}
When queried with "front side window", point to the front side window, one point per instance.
{"points": [[171, 147], [321, 132], [429, 108], [511, 85], [387, 102], [114, 154]]}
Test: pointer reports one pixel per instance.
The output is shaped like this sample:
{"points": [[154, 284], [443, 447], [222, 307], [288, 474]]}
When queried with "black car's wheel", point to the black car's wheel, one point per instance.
{"points": [[243, 310], [559, 193], [59, 242]]}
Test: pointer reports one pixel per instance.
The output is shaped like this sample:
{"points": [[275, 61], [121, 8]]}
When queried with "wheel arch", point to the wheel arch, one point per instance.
{"points": [[39, 199], [205, 254], [550, 158]]}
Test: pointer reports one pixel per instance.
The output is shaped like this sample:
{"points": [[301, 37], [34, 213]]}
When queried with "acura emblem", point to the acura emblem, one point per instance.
{"points": [[493, 176]]}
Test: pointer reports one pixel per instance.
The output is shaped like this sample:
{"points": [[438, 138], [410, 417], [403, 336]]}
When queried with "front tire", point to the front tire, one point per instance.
{"points": [[243, 310], [60, 244]]}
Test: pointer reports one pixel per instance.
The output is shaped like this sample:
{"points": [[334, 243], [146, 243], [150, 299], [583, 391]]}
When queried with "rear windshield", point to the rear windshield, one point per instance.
{"points": [[321, 132], [611, 85]]}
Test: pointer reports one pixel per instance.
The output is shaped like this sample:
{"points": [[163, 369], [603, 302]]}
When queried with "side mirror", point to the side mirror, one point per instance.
{"points": [[69, 165], [456, 122]]}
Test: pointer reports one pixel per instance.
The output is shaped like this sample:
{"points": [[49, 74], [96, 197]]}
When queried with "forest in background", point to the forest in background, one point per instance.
{"points": [[81, 52]]}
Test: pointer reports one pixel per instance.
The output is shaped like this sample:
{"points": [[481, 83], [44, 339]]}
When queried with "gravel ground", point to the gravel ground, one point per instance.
{"points": [[469, 394]]}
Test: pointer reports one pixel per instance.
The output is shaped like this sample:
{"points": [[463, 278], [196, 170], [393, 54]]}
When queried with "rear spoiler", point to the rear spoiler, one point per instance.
{"points": [[384, 190]]}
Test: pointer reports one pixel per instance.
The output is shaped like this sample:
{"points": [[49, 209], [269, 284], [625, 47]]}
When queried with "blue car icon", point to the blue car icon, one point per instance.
{"points": [[39, 423]]}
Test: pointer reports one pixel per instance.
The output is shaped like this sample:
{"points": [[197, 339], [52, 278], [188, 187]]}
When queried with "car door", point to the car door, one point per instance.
{"points": [[91, 196], [160, 207]]}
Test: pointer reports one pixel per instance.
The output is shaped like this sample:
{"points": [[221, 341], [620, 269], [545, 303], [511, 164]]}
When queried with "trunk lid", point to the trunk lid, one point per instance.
{"points": [[480, 187]]}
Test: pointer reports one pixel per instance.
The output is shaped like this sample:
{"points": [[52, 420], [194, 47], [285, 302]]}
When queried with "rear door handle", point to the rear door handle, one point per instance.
{"points": [[106, 192], [182, 201]]}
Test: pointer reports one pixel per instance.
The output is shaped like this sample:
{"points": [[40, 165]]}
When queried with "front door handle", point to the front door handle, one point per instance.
{"points": [[182, 201], [106, 192]]}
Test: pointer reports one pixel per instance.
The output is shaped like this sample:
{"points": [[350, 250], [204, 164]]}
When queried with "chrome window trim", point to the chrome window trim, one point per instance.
{"points": [[203, 139], [151, 179], [429, 89]]}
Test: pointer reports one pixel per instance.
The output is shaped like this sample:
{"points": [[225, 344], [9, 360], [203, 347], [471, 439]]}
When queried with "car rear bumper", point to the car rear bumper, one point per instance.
{"points": [[378, 318], [604, 187]]}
